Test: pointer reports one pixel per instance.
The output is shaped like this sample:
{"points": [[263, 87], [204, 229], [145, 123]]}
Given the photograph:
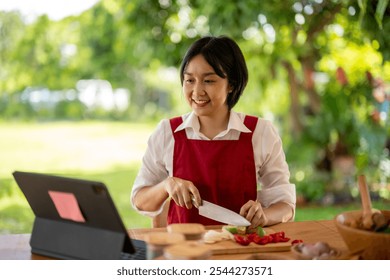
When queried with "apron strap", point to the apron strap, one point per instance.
{"points": [[175, 122], [250, 122]]}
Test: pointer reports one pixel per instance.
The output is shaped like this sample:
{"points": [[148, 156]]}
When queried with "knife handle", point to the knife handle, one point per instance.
{"points": [[194, 202]]}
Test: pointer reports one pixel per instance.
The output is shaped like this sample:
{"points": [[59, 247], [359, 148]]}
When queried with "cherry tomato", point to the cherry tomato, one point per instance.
{"points": [[264, 240], [257, 239], [242, 239], [252, 236], [296, 241]]}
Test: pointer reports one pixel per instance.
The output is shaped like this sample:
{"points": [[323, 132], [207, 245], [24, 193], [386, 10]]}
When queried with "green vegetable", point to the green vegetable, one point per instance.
{"points": [[231, 229], [260, 231]]}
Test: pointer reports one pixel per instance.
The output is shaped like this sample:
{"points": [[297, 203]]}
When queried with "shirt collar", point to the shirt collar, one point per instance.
{"points": [[190, 121], [235, 122]]}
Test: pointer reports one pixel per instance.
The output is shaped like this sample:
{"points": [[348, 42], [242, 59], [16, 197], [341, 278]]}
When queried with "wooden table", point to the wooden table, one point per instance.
{"points": [[16, 246]]}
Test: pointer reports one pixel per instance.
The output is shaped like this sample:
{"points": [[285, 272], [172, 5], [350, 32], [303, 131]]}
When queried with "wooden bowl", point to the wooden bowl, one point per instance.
{"points": [[366, 244]]}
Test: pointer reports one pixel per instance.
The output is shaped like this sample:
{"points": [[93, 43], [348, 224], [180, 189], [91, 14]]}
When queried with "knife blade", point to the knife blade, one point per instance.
{"points": [[221, 214]]}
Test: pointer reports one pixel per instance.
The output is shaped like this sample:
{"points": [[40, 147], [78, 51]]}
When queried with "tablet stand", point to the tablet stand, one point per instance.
{"points": [[71, 240]]}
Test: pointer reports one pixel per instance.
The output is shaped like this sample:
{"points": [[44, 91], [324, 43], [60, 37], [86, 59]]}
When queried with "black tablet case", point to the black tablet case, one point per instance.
{"points": [[101, 236]]}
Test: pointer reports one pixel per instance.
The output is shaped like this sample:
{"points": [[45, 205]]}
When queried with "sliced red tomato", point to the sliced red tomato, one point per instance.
{"points": [[242, 239], [257, 239], [296, 241], [252, 236], [262, 240]]}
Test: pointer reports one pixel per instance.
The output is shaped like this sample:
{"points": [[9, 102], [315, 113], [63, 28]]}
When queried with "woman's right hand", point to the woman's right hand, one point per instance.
{"points": [[182, 191]]}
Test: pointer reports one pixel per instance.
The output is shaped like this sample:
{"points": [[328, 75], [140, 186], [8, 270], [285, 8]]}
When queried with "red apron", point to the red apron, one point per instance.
{"points": [[223, 171]]}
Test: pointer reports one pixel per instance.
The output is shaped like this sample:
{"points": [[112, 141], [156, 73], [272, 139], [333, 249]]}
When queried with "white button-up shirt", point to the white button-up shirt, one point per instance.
{"points": [[272, 171]]}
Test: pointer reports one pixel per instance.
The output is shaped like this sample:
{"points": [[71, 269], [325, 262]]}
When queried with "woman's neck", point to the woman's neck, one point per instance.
{"points": [[211, 126]]}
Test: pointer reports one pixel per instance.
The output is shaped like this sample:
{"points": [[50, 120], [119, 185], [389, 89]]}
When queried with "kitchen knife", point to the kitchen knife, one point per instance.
{"points": [[221, 214]]}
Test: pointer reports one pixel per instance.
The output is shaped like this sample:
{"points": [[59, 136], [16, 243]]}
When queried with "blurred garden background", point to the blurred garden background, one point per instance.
{"points": [[80, 95]]}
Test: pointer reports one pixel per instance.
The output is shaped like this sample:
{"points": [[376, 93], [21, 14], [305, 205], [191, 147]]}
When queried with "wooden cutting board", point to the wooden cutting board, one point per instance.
{"points": [[232, 247]]}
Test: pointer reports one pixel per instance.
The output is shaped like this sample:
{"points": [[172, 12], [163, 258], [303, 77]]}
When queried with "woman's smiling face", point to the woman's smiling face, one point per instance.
{"points": [[205, 91]]}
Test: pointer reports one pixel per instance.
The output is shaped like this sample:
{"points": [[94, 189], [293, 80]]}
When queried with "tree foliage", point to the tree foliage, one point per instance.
{"points": [[312, 63]]}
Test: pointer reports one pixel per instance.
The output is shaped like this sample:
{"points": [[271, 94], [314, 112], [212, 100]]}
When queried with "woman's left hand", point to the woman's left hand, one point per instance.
{"points": [[253, 212]]}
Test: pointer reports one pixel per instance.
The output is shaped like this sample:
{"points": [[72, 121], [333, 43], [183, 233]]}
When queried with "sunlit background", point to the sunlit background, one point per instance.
{"points": [[55, 10], [84, 83]]}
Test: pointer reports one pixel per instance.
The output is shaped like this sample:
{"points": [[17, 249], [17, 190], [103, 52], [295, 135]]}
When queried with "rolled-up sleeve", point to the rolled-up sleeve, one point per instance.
{"points": [[273, 171], [153, 168]]}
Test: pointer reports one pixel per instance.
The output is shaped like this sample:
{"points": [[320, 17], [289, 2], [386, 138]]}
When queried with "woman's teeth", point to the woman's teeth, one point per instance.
{"points": [[200, 101]]}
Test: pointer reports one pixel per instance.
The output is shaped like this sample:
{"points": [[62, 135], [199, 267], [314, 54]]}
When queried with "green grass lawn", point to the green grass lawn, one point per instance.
{"points": [[104, 151], [110, 152], [320, 212]]}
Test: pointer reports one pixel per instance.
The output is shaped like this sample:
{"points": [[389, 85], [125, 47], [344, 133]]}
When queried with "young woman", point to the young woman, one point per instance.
{"points": [[214, 153]]}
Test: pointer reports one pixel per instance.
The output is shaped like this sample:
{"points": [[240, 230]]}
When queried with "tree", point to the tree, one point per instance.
{"points": [[11, 31], [374, 17], [304, 57]]}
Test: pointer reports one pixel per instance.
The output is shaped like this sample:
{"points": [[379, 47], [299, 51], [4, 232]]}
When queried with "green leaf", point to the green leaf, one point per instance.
{"points": [[362, 5], [260, 231], [363, 8], [380, 11]]}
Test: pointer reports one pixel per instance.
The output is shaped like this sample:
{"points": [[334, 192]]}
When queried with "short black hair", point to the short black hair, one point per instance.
{"points": [[227, 60]]}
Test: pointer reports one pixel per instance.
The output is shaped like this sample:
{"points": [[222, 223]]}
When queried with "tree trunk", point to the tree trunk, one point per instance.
{"points": [[295, 112], [309, 84]]}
